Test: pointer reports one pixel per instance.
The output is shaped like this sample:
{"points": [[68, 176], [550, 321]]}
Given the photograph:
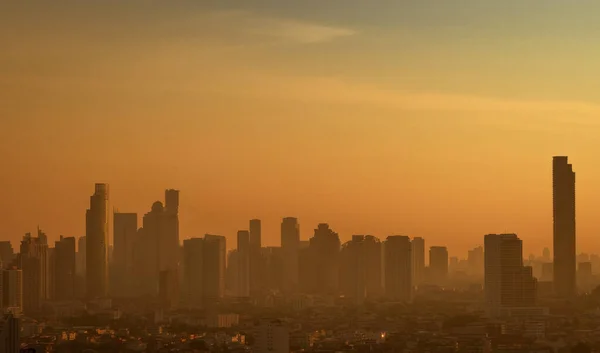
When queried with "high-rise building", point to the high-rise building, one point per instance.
{"points": [[475, 261], [563, 193], [273, 267], [64, 269], [12, 290], [438, 264], [168, 289], [324, 251], [81, 256], [584, 276], [231, 277], [125, 230], [373, 257], [398, 268], [97, 243], [353, 270], [271, 336], [290, 246], [508, 284], [10, 333], [546, 255], [193, 270], [7, 254], [170, 240], [418, 260], [33, 260], [215, 259], [256, 259], [243, 264]]}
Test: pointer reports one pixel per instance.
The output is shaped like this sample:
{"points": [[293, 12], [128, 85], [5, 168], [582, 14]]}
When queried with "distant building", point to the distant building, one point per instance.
{"points": [[438, 264], [193, 268], [563, 194], [290, 245], [508, 284], [324, 252], [418, 260], [584, 276], [256, 260], [398, 268], [7, 254], [125, 228], [12, 290], [475, 261], [97, 243], [271, 336], [33, 260], [10, 334], [64, 269]]}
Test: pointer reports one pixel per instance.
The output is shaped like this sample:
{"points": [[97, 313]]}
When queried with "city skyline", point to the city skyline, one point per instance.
{"points": [[401, 128]]}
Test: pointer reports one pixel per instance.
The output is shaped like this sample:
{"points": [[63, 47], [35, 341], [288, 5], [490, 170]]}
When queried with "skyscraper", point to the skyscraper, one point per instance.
{"points": [[7, 253], [438, 264], [97, 243], [563, 193], [324, 250], [508, 284], [398, 268], [256, 259], [12, 290], [193, 269], [418, 260], [33, 260], [290, 246], [243, 264], [214, 267], [81, 256], [353, 270], [64, 269], [10, 333], [125, 230]]}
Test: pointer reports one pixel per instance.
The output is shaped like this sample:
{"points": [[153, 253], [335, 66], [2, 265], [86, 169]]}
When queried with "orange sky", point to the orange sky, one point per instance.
{"points": [[412, 119]]}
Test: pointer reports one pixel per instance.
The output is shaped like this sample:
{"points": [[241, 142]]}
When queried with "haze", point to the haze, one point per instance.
{"points": [[434, 119]]}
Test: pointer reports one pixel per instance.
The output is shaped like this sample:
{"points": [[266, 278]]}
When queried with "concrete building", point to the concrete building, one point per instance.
{"points": [[97, 243], [418, 260], [271, 336], [398, 268], [563, 194], [12, 290], [256, 260], [10, 334], [438, 264], [193, 269], [290, 246], [242, 288], [64, 269], [125, 228], [33, 260]]}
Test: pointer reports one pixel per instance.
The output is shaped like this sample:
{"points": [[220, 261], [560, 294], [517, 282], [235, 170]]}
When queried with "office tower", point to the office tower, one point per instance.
{"points": [[324, 249], [145, 260], [33, 260], [584, 276], [271, 336], [418, 260], [193, 270], [563, 194], [438, 264], [508, 284], [373, 263], [353, 270], [64, 269], [125, 230], [10, 334], [7, 254], [475, 261], [97, 243], [256, 260], [215, 259], [168, 289], [273, 267], [81, 256], [12, 290], [398, 268], [290, 245], [546, 255], [231, 280], [243, 264], [170, 240]]}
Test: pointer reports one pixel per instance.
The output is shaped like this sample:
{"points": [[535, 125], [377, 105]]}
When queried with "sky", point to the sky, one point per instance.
{"points": [[428, 118]]}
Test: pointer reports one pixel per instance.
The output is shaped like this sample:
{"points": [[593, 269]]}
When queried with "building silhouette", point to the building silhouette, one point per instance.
{"points": [[438, 264], [10, 333], [508, 284], [418, 260], [33, 260], [7, 254], [97, 243], [256, 259], [290, 246], [125, 231], [12, 290], [353, 270], [324, 250], [475, 261], [273, 267], [214, 267], [398, 268], [563, 194], [271, 336], [193, 269], [243, 264], [64, 278]]}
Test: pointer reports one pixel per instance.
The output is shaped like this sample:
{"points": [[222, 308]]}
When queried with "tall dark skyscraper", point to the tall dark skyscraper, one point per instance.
{"points": [[563, 194], [398, 268], [64, 269], [418, 260], [256, 259], [193, 269], [97, 243], [438, 264], [243, 264], [125, 230], [33, 260], [290, 247]]}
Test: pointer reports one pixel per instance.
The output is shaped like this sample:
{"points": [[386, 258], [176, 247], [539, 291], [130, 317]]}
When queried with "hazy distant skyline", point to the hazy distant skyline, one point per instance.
{"points": [[430, 119]]}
